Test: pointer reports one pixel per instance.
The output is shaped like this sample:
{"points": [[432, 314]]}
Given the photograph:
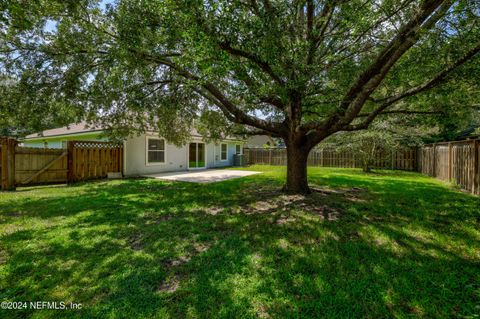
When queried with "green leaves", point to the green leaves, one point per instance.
{"points": [[138, 63]]}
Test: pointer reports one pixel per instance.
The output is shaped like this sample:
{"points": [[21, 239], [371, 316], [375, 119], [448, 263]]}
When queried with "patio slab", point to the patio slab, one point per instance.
{"points": [[202, 176]]}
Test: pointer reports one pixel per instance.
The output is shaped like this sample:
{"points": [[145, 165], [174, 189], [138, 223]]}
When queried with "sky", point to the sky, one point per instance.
{"points": [[51, 25]]}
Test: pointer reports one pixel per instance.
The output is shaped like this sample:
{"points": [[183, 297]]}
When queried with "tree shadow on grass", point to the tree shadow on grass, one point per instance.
{"points": [[240, 248]]}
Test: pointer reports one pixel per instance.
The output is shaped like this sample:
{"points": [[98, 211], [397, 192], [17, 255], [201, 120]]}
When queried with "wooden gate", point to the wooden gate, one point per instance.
{"points": [[92, 160], [40, 166]]}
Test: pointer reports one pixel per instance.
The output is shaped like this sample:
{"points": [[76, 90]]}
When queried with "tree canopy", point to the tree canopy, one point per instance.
{"points": [[298, 70]]}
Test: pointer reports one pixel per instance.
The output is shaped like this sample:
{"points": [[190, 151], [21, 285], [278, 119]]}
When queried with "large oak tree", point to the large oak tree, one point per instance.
{"points": [[300, 70]]}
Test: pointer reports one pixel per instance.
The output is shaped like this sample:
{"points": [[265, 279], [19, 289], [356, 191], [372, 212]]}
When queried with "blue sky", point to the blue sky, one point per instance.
{"points": [[51, 25]]}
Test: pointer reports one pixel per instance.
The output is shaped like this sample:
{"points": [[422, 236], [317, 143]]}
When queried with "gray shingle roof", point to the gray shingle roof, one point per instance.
{"points": [[76, 128]]}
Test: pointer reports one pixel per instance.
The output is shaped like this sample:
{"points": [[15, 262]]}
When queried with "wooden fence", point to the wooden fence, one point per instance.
{"points": [[92, 160], [80, 161], [40, 166], [456, 162], [400, 159], [7, 163]]}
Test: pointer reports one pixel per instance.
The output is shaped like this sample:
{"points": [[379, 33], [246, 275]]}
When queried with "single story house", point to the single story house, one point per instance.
{"points": [[148, 153]]}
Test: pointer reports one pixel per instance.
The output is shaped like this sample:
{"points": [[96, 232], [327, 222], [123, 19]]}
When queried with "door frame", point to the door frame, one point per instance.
{"points": [[196, 149]]}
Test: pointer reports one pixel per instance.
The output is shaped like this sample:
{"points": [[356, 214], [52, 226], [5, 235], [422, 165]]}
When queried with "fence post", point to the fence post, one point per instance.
{"points": [[11, 163], [434, 158], [8, 163], [269, 156], [476, 173], [70, 176], [450, 161]]}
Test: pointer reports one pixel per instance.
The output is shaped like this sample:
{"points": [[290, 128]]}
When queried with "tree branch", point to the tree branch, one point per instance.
{"points": [[409, 34], [264, 66], [407, 112], [232, 112], [437, 79], [430, 12], [434, 82]]}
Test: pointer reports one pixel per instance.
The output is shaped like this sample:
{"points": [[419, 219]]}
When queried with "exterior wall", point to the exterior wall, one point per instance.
{"points": [[176, 157], [136, 157], [215, 154], [135, 153], [56, 142]]}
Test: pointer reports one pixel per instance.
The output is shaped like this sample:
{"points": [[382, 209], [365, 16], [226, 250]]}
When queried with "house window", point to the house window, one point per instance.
{"points": [[223, 152], [238, 149], [155, 150]]}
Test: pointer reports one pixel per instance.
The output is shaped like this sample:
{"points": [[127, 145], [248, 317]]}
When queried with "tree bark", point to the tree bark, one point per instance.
{"points": [[297, 182]]}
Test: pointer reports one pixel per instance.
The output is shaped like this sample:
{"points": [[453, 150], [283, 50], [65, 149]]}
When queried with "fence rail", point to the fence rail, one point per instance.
{"points": [[82, 160], [399, 159]]}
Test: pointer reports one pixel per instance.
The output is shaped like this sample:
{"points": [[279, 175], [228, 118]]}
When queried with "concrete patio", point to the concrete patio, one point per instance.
{"points": [[202, 176]]}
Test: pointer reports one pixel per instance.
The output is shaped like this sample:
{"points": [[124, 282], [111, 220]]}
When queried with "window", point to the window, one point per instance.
{"points": [[223, 152], [155, 150], [238, 149]]}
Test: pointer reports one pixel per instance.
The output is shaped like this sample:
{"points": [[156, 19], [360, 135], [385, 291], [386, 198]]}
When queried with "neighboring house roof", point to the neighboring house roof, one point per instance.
{"points": [[71, 129], [83, 128], [260, 141], [471, 132]]}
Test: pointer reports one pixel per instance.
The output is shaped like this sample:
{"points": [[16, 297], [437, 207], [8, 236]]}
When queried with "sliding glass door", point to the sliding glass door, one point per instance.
{"points": [[196, 155]]}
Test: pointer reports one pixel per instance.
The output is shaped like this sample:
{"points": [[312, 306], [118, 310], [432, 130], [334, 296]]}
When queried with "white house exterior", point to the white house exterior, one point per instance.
{"points": [[148, 153]]}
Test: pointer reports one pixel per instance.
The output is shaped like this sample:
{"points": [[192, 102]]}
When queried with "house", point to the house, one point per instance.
{"points": [[260, 141], [148, 153]]}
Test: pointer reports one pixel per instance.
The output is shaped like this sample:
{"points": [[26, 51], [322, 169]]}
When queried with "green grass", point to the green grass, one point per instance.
{"points": [[194, 164], [387, 244]]}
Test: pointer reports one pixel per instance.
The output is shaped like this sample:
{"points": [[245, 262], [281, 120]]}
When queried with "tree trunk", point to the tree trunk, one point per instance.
{"points": [[297, 170], [366, 166]]}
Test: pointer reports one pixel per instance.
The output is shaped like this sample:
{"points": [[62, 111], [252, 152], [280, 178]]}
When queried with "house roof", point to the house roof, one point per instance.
{"points": [[84, 128], [70, 129], [470, 132]]}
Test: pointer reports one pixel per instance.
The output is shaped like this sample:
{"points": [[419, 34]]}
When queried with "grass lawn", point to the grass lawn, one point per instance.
{"points": [[388, 244]]}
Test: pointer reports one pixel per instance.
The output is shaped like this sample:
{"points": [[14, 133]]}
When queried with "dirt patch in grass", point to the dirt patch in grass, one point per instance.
{"points": [[180, 261], [196, 249], [135, 241], [214, 210], [326, 213], [156, 219], [201, 247], [316, 203], [284, 220], [170, 284]]}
